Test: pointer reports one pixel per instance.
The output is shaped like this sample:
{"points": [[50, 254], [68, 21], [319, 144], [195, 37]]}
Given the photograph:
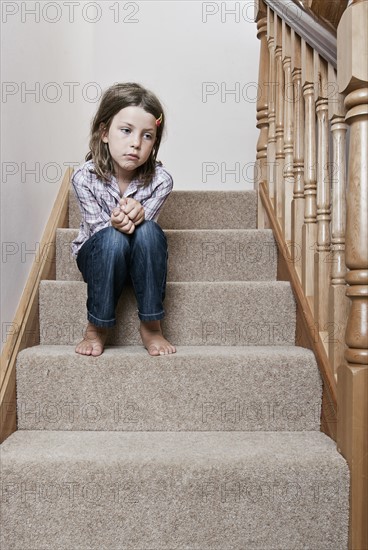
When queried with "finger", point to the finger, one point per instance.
{"points": [[134, 214], [139, 219], [129, 207], [129, 228], [125, 222], [120, 219]]}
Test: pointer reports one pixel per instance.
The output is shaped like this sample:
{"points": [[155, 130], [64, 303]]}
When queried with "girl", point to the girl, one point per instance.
{"points": [[121, 189]]}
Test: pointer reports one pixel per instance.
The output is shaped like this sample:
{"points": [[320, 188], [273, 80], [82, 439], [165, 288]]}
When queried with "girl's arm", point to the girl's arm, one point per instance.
{"points": [[153, 204], [93, 214]]}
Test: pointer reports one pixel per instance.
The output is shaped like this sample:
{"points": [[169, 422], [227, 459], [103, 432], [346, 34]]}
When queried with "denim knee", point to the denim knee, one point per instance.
{"points": [[112, 242], [148, 232]]}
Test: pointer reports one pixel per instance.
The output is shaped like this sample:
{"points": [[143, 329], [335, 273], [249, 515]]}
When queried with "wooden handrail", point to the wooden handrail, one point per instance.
{"points": [[315, 32]]}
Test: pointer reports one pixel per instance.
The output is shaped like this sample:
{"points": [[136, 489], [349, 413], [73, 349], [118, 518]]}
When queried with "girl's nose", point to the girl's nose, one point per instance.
{"points": [[136, 140]]}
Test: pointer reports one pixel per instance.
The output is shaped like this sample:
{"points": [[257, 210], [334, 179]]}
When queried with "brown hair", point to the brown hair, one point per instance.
{"points": [[114, 99]]}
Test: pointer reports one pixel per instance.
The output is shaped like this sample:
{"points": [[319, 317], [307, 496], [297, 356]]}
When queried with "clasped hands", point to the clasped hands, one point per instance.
{"points": [[130, 214]]}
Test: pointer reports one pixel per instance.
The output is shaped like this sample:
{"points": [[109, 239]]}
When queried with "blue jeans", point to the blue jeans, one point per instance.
{"points": [[109, 259]]}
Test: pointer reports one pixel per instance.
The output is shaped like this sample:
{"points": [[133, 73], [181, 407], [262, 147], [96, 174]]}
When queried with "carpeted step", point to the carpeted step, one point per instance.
{"points": [[198, 210], [197, 314], [197, 388], [202, 255], [182, 490]]}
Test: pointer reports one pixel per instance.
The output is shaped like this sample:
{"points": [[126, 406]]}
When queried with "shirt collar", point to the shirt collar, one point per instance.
{"points": [[130, 190], [113, 186]]}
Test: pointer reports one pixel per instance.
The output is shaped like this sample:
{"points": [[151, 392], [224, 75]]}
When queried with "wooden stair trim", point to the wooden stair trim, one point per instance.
{"points": [[307, 336], [26, 322]]}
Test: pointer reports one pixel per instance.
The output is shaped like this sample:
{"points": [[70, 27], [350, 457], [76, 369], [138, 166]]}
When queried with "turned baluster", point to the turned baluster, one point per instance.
{"points": [[271, 145], [280, 155], [309, 233], [338, 301], [288, 133], [322, 256], [262, 106], [357, 228], [298, 205]]}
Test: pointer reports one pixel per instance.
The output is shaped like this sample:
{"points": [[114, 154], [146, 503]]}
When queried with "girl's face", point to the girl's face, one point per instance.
{"points": [[131, 138]]}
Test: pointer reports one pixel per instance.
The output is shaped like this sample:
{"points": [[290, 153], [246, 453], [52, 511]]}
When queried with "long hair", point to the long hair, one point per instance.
{"points": [[114, 99]]}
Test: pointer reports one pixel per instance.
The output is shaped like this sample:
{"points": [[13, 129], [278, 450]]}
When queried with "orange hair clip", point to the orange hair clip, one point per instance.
{"points": [[159, 120]]}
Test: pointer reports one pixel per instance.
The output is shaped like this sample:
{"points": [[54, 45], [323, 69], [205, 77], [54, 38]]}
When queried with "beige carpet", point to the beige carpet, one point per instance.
{"points": [[214, 448]]}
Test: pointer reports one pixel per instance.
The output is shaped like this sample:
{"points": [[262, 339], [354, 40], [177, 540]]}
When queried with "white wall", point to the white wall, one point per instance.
{"points": [[37, 134], [190, 53], [188, 57]]}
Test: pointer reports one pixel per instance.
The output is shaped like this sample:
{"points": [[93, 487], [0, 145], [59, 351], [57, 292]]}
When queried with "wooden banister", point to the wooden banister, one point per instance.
{"points": [[318, 210], [319, 36]]}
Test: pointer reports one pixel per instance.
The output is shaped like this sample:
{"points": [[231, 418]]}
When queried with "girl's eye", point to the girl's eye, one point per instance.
{"points": [[148, 136], [125, 130]]}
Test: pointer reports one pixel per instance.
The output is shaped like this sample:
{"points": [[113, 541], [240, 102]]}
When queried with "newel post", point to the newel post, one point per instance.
{"points": [[352, 377]]}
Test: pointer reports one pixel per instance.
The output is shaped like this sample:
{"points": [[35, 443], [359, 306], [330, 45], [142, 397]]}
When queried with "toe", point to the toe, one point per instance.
{"points": [[97, 349], [152, 350]]}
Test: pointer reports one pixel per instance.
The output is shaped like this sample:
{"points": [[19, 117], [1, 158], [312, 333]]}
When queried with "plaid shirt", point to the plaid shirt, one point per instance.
{"points": [[97, 199]]}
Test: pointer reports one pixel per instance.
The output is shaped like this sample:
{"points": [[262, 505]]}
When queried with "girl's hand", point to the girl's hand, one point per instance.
{"points": [[133, 209], [122, 222]]}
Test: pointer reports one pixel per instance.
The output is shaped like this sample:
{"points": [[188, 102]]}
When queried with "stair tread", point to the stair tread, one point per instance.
{"points": [[239, 231], [198, 284], [203, 491], [187, 351], [192, 448]]}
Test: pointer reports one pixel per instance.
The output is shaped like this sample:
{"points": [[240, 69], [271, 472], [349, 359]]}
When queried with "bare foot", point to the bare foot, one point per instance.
{"points": [[153, 339], [93, 341]]}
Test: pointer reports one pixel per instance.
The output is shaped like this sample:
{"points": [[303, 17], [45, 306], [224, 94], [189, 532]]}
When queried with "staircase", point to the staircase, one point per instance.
{"points": [[216, 447]]}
